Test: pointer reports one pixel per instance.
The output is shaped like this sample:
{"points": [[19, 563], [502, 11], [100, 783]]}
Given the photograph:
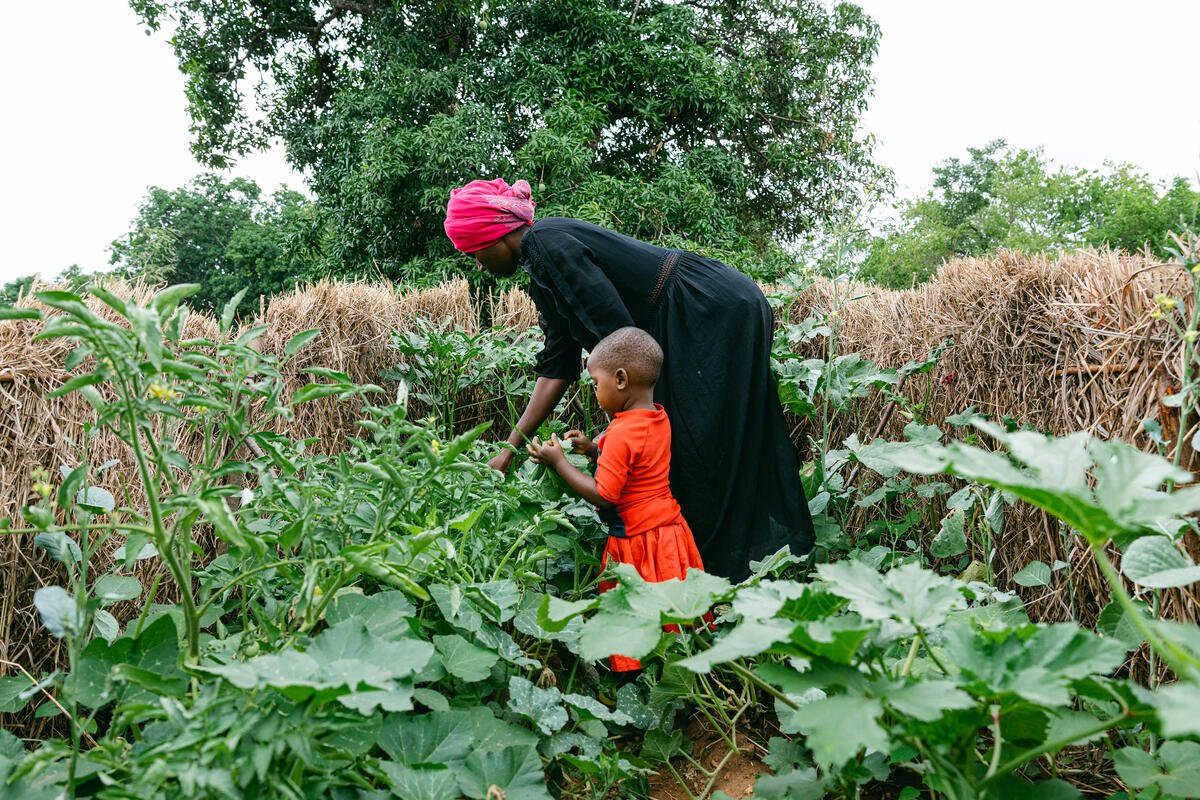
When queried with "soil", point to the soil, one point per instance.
{"points": [[735, 778]]}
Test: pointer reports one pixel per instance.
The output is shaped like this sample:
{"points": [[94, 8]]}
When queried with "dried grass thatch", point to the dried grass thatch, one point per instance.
{"points": [[1060, 344]]}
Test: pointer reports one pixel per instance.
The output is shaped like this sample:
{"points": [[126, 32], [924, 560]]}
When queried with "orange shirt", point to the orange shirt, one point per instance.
{"points": [[633, 468]]}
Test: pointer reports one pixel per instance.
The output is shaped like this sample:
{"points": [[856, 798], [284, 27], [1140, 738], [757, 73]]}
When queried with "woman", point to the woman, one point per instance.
{"points": [[733, 467]]}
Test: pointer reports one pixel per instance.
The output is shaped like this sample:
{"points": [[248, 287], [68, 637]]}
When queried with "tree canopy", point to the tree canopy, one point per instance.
{"points": [[729, 124], [221, 234], [1016, 199]]}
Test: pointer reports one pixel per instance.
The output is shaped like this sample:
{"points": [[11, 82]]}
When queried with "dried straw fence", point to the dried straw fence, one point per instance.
{"points": [[1062, 345]]}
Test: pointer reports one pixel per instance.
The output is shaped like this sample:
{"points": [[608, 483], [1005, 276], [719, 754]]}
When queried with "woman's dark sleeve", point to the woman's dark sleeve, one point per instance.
{"points": [[560, 354], [571, 268]]}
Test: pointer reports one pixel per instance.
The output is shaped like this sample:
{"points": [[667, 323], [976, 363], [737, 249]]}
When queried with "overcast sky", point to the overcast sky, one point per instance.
{"points": [[95, 108]]}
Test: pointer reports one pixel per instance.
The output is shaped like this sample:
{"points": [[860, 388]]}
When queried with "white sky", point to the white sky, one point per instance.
{"points": [[95, 109]]}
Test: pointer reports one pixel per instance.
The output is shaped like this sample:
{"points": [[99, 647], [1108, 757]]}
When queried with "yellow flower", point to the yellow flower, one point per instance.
{"points": [[1156, 314], [436, 446], [1164, 302], [162, 392], [41, 482]]}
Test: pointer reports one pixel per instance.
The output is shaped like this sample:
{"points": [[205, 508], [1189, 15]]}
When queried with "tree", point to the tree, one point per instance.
{"points": [[1015, 199], [732, 124], [221, 234]]}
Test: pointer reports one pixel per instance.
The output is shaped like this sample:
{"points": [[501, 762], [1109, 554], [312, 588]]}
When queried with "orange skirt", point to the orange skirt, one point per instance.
{"points": [[660, 554]]}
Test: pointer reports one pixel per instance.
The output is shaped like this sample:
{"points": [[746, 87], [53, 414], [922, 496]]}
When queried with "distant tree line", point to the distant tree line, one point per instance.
{"points": [[1004, 198]]}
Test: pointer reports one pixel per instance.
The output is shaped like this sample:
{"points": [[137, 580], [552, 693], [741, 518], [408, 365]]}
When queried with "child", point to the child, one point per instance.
{"points": [[633, 462]]}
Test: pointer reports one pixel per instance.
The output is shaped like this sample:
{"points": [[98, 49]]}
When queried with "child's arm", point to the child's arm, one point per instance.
{"points": [[550, 454]]}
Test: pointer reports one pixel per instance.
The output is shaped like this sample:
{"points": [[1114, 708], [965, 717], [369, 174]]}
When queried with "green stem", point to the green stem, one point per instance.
{"points": [[929, 651], [1178, 660], [766, 687], [250, 573], [1055, 745], [912, 656], [504, 561]]}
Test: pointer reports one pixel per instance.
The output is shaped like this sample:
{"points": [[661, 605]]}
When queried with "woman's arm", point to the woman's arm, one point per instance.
{"points": [[546, 394]]}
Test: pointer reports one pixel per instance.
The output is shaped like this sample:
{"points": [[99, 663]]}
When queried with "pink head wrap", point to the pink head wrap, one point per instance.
{"points": [[482, 212]]}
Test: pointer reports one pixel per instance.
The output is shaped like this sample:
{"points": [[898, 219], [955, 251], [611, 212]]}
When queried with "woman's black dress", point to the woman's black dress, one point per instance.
{"points": [[733, 468]]}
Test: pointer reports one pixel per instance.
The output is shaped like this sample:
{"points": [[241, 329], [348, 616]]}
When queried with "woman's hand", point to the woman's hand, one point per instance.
{"points": [[548, 453], [581, 444], [502, 460]]}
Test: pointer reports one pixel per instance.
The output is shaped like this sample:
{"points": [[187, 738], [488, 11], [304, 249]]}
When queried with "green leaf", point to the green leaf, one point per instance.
{"points": [[146, 328], [749, 638], [111, 589], [618, 633], [515, 771], [1115, 624], [909, 594], [297, 342], [386, 614], [14, 693], [96, 499], [78, 382], [105, 626], [58, 610], [168, 299], [314, 391], [61, 547], [230, 310], [1155, 562], [1035, 573], [839, 727], [1175, 769], [543, 707], [345, 662], [950, 540], [8, 312], [554, 613], [437, 738], [1036, 663], [465, 660], [1178, 709], [927, 700], [427, 782], [591, 708]]}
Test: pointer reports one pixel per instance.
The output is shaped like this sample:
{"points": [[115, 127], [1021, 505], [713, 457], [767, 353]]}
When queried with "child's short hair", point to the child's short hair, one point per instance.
{"points": [[633, 350]]}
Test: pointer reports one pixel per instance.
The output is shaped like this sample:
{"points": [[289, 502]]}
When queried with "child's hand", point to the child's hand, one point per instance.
{"points": [[548, 453], [580, 443]]}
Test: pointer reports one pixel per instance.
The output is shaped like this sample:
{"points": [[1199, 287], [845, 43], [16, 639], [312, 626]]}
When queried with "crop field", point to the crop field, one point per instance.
{"points": [[226, 609]]}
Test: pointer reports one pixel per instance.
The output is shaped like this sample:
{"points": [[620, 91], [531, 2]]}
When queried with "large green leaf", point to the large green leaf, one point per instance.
{"points": [[951, 539], [59, 611], [1038, 663], [908, 594], [386, 614], [618, 632], [926, 700], [1156, 563], [749, 638], [515, 771], [463, 659], [427, 782], [345, 659], [838, 728], [109, 589], [1102, 489], [1178, 707], [543, 707], [1175, 768]]}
